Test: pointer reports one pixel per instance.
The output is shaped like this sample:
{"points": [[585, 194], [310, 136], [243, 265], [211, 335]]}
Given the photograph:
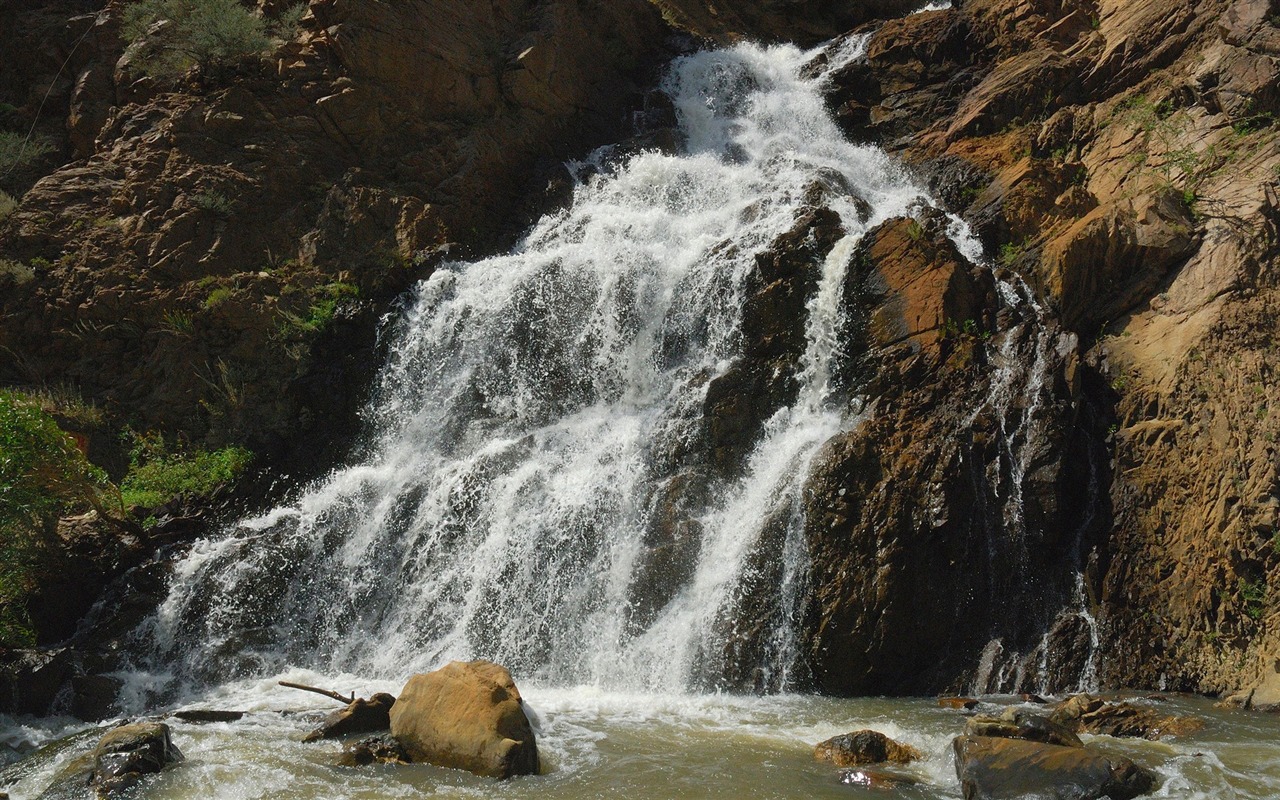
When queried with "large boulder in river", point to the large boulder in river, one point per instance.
{"points": [[995, 768], [864, 747], [466, 716]]}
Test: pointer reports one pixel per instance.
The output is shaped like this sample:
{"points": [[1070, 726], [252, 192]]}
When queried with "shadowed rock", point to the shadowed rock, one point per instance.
{"points": [[864, 747], [1004, 769]]}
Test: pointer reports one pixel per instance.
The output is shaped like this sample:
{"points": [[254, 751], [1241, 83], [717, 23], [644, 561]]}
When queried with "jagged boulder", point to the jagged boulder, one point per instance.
{"points": [[993, 768], [1085, 713], [466, 716], [864, 747], [916, 283], [128, 753], [1017, 724], [360, 716]]}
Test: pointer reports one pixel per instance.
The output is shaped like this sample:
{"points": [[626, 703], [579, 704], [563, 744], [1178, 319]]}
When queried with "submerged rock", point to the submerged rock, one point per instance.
{"points": [[864, 747], [966, 703], [991, 768], [361, 716], [374, 750], [875, 779], [466, 716]]}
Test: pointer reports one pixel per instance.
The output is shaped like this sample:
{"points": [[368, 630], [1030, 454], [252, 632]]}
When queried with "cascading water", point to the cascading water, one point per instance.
{"points": [[532, 403], [537, 491]]}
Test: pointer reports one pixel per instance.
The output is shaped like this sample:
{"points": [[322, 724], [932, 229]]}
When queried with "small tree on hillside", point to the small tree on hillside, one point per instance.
{"points": [[175, 35]]}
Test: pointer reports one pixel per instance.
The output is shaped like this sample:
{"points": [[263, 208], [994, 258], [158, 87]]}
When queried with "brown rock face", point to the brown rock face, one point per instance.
{"points": [[1003, 769], [466, 716], [914, 548], [180, 262], [1120, 157], [864, 747]]}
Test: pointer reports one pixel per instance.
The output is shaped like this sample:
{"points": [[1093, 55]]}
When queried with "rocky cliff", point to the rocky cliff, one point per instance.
{"points": [[1123, 159], [210, 257]]}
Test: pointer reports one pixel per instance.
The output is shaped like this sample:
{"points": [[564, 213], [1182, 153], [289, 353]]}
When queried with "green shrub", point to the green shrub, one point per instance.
{"points": [[180, 34], [217, 297], [42, 476], [8, 204], [214, 201], [158, 475], [324, 305], [18, 152]]}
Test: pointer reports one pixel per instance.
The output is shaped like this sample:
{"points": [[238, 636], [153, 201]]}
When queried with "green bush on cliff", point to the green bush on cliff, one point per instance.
{"points": [[19, 152], [159, 474], [180, 34], [42, 476]]}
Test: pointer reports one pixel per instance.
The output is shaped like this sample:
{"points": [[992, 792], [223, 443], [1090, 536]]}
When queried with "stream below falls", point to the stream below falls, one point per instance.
{"points": [[599, 744]]}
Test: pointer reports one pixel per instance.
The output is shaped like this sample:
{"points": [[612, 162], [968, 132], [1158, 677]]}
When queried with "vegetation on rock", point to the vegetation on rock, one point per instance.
{"points": [[176, 35], [159, 474], [43, 475]]}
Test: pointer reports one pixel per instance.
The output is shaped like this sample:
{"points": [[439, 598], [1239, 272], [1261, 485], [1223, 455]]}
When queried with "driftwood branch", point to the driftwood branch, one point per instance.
{"points": [[326, 692]]}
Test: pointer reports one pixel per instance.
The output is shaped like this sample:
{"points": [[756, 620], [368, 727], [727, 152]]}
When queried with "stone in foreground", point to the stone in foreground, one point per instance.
{"points": [[360, 716], [466, 716], [992, 768], [126, 754], [864, 747]]}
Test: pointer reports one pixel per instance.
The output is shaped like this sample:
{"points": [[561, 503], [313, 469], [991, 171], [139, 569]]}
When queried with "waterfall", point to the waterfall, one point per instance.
{"points": [[534, 491]]}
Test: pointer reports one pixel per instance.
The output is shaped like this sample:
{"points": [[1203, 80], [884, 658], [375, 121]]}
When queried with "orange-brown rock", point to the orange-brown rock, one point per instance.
{"points": [[1121, 157], [466, 716], [919, 285], [1085, 713]]}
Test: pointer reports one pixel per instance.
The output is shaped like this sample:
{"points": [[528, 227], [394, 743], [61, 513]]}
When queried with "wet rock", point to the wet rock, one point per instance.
{"points": [[917, 283], [864, 747], [361, 716], [966, 703], [200, 715], [1085, 713], [125, 755], [374, 750], [466, 716], [739, 401], [1004, 769], [1018, 724], [876, 780]]}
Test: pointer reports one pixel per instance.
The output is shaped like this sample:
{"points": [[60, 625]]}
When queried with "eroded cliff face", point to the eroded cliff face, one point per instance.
{"points": [[1123, 158], [211, 260]]}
